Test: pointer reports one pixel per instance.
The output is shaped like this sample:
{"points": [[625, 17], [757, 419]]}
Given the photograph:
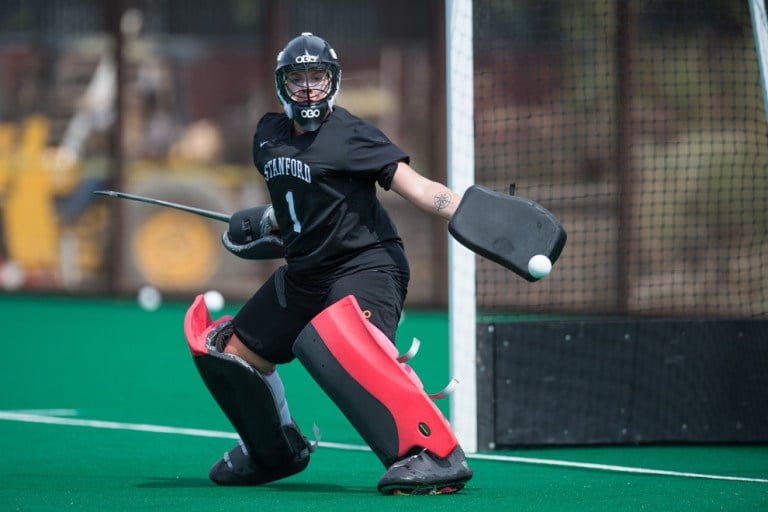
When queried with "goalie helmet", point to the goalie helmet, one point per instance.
{"points": [[307, 78]]}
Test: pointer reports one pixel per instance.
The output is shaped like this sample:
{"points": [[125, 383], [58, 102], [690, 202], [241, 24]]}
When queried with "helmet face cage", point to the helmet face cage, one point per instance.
{"points": [[303, 85], [307, 78]]}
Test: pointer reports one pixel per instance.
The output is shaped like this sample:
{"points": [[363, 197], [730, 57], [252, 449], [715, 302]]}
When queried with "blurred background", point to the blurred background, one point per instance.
{"points": [[161, 98], [639, 123]]}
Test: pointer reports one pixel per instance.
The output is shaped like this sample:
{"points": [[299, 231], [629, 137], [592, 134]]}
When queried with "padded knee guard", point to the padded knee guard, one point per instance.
{"points": [[356, 365], [272, 450]]}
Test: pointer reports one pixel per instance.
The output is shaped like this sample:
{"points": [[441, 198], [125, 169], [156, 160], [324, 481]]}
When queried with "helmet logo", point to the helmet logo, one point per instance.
{"points": [[310, 113], [306, 58]]}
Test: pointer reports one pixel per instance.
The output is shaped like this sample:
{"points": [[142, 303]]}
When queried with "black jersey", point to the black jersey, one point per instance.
{"points": [[323, 188]]}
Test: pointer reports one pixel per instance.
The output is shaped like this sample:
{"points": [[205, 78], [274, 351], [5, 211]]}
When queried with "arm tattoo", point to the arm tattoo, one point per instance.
{"points": [[442, 201]]}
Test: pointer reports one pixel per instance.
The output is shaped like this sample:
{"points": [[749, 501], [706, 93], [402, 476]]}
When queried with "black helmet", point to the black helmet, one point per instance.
{"points": [[306, 54]]}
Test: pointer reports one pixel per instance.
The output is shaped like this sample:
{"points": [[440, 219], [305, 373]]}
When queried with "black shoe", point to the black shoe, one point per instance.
{"points": [[236, 469], [425, 473]]}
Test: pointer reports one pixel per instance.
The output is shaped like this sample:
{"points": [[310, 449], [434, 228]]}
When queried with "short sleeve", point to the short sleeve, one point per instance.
{"points": [[371, 151], [387, 174]]}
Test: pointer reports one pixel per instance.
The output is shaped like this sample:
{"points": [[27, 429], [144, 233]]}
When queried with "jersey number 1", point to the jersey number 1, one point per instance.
{"points": [[292, 210]]}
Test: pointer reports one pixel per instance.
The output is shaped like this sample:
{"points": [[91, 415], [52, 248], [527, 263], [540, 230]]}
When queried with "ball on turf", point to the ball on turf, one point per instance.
{"points": [[149, 298], [214, 300], [539, 266]]}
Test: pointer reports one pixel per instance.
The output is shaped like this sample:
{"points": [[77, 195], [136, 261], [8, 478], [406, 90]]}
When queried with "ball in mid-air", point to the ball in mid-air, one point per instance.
{"points": [[149, 298], [214, 300], [11, 275], [539, 266]]}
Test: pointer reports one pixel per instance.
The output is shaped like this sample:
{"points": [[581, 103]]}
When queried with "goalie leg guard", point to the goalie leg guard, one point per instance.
{"points": [[268, 450], [356, 365]]}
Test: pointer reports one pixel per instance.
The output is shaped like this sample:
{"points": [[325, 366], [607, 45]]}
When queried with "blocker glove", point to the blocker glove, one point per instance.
{"points": [[252, 236]]}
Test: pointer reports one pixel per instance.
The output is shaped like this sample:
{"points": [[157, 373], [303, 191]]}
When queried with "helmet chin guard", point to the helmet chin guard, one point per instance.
{"points": [[304, 54]]}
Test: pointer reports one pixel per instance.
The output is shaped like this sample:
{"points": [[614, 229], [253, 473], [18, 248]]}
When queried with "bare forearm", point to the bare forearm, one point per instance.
{"points": [[440, 200], [431, 196]]}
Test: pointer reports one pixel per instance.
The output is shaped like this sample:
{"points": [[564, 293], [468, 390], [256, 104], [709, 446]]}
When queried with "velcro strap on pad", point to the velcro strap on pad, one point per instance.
{"points": [[249, 224]]}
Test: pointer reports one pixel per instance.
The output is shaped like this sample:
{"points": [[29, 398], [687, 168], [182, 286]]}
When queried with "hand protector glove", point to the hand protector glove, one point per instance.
{"points": [[252, 236]]}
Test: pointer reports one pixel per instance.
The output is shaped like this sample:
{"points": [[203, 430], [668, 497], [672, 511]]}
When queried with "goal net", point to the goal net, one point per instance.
{"points": [[641, 125]]}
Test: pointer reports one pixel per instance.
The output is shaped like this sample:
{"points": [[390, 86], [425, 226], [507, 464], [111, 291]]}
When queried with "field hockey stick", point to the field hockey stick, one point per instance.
{"points": [[223, 217]]}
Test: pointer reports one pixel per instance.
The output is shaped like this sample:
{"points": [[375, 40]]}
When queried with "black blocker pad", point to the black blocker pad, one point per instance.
{"points": [[506, 229]]}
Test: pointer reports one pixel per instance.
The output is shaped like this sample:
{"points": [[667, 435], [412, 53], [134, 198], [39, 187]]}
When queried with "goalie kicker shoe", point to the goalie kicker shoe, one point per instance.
{"points": [[424, 473], [235, 467]]}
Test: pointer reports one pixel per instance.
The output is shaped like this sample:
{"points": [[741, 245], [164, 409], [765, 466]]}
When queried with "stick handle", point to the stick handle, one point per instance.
{"points": [[223, 217]]}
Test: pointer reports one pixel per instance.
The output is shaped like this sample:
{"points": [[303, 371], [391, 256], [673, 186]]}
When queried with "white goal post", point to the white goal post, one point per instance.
{"points": [[760, 31], [461, 261]]}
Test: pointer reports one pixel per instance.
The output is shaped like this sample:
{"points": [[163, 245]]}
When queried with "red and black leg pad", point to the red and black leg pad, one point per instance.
{"points": [[269, 450], [356, 365]]}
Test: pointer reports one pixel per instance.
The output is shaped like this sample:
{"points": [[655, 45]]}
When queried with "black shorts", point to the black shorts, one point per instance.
{"points": [[272, 319]]}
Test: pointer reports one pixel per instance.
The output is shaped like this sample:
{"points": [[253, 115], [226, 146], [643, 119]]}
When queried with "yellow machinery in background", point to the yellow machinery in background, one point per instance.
{"points": [[27, 186], [54, 230]]}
